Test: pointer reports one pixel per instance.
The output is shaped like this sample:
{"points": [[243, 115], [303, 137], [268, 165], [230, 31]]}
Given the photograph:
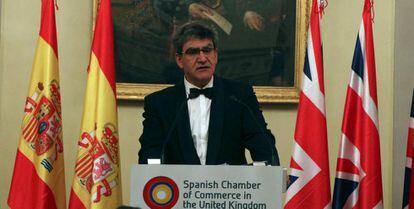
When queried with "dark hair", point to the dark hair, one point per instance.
{"points": [[190, 30]]}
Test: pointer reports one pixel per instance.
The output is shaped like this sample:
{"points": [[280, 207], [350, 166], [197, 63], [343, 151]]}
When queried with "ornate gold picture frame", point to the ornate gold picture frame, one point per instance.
{"points": [[266, 94]]}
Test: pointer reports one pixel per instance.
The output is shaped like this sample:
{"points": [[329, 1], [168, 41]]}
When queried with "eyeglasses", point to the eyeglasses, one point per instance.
{"points": [[196, 51]]}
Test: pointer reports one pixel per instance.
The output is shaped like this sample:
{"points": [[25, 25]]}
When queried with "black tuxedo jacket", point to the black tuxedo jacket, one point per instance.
{"points": [[236, 124]]}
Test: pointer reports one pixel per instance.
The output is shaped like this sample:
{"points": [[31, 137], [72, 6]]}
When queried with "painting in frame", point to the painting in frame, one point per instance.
{"points": [[261, 43]]}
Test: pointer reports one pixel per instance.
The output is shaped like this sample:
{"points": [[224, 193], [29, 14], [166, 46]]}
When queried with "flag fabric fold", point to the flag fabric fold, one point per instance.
{"points": [[39, 175], [97, 179], [408, 195], [358, 182], [309, 185]]}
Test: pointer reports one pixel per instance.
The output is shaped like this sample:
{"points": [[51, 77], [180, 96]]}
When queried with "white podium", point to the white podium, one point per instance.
{"points": [[195, 186]]}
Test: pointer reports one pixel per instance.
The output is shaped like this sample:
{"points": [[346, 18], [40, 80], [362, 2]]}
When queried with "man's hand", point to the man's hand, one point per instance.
{"points": [[198, 10], [253, 20]]}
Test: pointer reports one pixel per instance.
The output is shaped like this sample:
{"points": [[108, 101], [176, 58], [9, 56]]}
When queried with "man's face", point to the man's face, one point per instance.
{"points": [[198, 61]]}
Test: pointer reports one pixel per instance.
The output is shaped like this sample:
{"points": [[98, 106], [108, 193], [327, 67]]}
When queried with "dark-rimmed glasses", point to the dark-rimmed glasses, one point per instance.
{"points": [[196, 51]]}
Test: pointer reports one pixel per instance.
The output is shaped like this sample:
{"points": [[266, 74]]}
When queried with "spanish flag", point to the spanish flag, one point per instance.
{"points": [[39, 174], [97, 179]]}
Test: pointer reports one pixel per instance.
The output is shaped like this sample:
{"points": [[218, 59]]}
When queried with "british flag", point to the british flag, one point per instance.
{"points": [[358, 181], [309, 179], [408, 195]]}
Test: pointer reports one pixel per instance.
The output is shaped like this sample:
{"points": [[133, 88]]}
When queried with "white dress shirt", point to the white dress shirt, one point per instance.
{"points": [[199, 112]]}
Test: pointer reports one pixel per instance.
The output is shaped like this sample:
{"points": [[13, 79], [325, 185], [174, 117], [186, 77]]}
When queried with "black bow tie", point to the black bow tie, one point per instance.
{"points": [[194, 93]]}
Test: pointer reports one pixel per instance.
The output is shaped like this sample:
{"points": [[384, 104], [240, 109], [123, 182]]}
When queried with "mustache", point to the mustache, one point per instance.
{"points": [[203, 65]]}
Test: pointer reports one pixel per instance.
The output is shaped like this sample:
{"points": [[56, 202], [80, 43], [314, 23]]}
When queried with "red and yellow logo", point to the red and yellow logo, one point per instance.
{"points": [[161, 192]]}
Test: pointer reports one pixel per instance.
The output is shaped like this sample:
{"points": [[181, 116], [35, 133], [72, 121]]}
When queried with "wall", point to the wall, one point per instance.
{"points": [[1, 61], [15, 39], [1, 57], [19, 28], [2, 163], [403, 89]]}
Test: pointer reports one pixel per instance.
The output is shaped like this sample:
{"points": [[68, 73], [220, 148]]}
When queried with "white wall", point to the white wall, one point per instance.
{"points": [[19, 29], [403, 89]]}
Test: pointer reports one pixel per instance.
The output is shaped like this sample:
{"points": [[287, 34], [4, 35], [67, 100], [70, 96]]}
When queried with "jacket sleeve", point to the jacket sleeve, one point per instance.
{"points": [[256, 137], [153, 133]]}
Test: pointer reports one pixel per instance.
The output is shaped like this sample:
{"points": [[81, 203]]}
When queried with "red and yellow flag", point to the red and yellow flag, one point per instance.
{"points": [[39, 175], [97, 180]]}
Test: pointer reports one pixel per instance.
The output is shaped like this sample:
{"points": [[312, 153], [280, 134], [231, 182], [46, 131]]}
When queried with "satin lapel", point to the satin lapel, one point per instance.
{"points": [[183, 128], [216, 122]]}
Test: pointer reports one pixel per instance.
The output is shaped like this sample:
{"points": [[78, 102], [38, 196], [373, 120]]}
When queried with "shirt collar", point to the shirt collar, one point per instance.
{"points": [[189, 85]]}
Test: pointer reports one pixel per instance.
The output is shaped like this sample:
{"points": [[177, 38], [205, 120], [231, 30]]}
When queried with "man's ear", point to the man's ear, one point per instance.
{"points": [[215, 58], [179, 60]]}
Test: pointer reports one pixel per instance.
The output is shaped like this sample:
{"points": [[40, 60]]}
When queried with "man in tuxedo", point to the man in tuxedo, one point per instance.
{"points": [[204, 119]]}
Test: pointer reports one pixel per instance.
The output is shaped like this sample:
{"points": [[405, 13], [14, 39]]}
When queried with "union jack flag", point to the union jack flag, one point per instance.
{"points": [[309, 179], [358, 181], [408, 185]]}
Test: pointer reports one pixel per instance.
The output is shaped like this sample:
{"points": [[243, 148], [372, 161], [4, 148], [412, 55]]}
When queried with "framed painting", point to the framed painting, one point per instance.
{"points": [[261, 43]]}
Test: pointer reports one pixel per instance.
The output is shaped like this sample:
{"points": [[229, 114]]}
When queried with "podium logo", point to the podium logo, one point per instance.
{"points": [[160, 192]]}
